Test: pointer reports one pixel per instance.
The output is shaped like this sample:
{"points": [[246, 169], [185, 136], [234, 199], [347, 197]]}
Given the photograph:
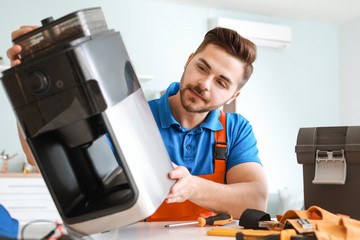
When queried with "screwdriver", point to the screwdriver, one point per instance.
{"points": [[219, 220]]}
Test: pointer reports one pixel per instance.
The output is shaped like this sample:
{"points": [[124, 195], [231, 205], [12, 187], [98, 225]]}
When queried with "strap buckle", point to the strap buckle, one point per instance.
{"points": [[220, 150]]}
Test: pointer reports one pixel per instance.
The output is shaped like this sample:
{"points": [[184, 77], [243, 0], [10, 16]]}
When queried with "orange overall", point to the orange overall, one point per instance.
{"points": [[188, 211]]}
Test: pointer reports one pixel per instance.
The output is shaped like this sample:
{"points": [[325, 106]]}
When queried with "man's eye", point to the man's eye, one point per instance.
{"points": [[201, 68], [221, 84]]}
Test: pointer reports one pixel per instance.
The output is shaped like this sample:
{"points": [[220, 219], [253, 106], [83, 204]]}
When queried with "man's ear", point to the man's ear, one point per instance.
{"points": [[189, 59], [233, 97]]}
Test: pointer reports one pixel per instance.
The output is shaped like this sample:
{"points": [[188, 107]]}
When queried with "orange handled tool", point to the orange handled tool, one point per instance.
{"points": [[218, 220]]}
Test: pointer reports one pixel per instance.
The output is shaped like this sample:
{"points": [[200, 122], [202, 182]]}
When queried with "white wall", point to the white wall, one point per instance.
{"points": [[293, 88], [290, 89], [349, 73]]}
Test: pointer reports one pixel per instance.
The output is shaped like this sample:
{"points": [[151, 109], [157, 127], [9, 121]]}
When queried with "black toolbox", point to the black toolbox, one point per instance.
{"points": [[331, 168]]}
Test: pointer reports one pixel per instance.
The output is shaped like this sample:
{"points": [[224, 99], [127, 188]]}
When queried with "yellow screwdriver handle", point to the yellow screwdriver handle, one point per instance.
{"points": [[232, 232]]}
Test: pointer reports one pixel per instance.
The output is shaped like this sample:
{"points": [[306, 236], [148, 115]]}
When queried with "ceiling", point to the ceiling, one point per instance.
{"points": [[329, 11]]}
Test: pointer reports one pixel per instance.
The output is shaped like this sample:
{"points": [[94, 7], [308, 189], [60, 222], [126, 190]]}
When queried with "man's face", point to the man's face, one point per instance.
{"points": [[210, 79]]}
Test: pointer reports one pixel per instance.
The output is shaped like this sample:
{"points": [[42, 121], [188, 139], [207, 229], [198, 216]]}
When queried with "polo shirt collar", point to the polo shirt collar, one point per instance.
{"points": [[212, 121], [166, 119]]}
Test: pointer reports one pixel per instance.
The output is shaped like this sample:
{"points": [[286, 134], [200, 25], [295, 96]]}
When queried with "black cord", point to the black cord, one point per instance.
{"points": [[71, 232]]}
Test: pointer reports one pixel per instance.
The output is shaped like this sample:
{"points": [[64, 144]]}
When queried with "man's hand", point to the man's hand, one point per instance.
{"points": [[13, 52], [185, 186], [246, 188]]}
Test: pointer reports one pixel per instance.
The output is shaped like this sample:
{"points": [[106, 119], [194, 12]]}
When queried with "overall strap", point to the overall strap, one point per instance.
{"points": [[220, 148]]}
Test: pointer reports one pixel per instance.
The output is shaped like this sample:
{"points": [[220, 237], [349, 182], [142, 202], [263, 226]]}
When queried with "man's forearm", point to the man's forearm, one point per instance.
{"points": [[26, 149], [246, 188], [232, 198]]}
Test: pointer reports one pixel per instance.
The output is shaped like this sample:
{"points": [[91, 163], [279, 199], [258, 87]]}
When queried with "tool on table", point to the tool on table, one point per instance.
{"points": [[290, 235], [251, 234], [251, 218], [232, 232], [271, 224], [220, 220], [305, 224]]}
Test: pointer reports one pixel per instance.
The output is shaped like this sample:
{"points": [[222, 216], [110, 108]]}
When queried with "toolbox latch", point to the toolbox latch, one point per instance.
{"points": [[330, 167]]}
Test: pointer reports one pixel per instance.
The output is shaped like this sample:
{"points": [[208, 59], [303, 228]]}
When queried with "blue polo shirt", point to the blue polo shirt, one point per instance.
{"points": [[194, 148], [8, 226]]}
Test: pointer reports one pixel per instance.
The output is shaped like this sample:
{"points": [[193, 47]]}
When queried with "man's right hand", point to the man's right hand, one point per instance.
{"points": [[13, 52]]}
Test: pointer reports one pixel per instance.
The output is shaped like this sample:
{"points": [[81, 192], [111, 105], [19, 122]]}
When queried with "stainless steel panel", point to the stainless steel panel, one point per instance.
{"points": [[146, 156], [142, 145]]}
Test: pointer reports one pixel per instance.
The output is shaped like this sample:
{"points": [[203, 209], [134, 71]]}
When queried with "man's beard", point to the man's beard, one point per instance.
{"points": [[190, 104]]}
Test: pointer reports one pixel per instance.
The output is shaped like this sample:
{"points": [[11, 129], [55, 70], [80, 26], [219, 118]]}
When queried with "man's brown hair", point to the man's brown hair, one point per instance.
{"points": [[234, 44]]}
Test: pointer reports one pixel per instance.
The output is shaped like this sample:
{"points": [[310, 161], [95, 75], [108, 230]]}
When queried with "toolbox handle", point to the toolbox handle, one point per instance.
{"points": [[330, 167]]}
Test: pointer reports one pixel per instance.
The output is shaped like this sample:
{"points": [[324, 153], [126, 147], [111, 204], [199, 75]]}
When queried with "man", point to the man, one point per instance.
{"points": [[190, 123]]}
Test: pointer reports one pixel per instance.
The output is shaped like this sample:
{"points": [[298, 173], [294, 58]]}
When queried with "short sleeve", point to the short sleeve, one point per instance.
{"points": [[242, 144]]}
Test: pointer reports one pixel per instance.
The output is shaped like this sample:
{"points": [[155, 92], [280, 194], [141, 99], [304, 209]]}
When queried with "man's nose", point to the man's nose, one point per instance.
{"points": [[205, 83]]}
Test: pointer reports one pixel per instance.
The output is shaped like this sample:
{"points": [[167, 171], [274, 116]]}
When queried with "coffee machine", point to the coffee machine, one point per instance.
{"points": [[89, 127]]}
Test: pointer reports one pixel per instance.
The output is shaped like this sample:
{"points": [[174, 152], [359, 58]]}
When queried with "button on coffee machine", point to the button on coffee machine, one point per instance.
{"points": [[38, 82], [89, 127]]}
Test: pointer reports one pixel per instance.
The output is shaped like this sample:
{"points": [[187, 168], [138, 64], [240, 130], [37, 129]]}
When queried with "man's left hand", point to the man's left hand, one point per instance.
{"points": [[185, 186]]}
